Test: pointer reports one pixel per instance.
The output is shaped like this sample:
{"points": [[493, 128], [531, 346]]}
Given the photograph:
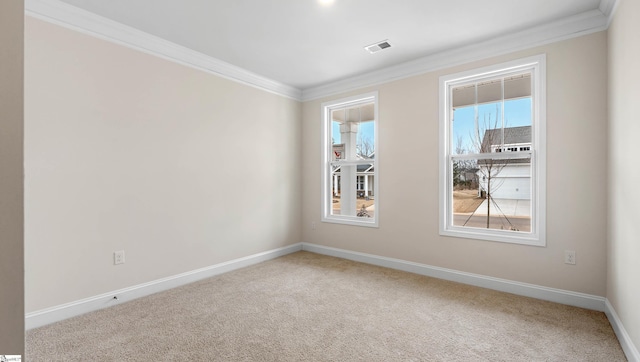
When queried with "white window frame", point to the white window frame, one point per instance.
{"points": [[327, 161], [537, 236]]}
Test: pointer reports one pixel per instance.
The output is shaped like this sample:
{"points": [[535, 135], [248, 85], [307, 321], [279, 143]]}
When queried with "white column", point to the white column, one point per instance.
{"points": [[366, 185], [348, 135]]}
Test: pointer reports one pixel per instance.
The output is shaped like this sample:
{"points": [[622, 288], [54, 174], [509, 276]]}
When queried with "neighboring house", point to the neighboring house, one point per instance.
{"points": [[467, 177], [510, 179], [470, 177], [364, 179], [364, 186]]}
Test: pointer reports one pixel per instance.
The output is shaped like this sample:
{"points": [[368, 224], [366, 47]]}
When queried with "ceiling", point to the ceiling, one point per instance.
{"points": [[306, 45]]}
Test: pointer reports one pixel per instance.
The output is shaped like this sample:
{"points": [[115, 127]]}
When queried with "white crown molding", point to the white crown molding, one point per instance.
{"points": [[76, 308], [630, 350], [575, 26], [566, 297], [72, 17], [69, 16], [608, 8]]}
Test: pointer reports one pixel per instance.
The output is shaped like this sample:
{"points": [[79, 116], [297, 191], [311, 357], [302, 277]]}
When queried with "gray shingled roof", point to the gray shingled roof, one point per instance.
{"points": [[511, 135], [360, 168]]}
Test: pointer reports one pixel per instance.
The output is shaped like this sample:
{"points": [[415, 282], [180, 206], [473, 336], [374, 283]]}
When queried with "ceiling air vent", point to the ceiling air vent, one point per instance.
{"points": [[373, 48]]}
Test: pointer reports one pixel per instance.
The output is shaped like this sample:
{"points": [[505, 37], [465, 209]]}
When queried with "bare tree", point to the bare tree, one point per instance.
{"points": [[488, 135], [365, 147]]}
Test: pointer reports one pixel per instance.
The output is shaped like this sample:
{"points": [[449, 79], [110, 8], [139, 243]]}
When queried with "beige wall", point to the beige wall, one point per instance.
{"points": [[624, 127], [183, 169], [408, 157], [127, 151], [11, 174]]}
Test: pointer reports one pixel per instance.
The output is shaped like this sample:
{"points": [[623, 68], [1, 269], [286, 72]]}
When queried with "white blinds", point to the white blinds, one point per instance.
{"points": [[362, 113], [488, 91]]}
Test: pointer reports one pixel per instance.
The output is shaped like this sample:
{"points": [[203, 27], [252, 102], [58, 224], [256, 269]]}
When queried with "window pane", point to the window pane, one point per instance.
{"points": [[354, 128], [492, 193], [517, 86], [489, 127], [470, 126], [362, 203], [517, 112], [335, 133], [463, 130], [365, 145]]}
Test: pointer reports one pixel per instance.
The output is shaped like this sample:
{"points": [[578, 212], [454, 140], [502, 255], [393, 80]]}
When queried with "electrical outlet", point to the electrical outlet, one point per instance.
{"points": [[570, 257], [118, 257], [313, 225]]}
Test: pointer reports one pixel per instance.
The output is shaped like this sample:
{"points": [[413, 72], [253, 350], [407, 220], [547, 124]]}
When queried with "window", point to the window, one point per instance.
{"points": [[492, 153], [349, 167]]}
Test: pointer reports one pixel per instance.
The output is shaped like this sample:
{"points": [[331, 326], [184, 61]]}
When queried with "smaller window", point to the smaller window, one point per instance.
{"points": [[349, 167]]}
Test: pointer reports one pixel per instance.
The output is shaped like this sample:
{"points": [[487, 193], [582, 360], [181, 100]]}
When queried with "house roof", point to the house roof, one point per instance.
{"points": [[364, 168], [512, 135], [360, 168]]}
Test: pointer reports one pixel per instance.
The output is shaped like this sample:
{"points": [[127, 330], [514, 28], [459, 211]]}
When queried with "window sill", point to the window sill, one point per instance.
{"points": [[354, 221], [495, 235]]}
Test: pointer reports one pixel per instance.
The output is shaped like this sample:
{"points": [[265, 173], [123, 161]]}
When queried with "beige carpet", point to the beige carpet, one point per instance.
{"points": [[310, 307]]}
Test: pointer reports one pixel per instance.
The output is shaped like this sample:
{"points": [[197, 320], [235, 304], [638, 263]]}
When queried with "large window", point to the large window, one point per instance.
{"points": [[492, 153], [349, 168]]}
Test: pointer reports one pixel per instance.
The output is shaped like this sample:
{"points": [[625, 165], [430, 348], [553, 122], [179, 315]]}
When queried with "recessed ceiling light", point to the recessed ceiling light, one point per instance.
{"points": [[326, 2], [373, 48]]}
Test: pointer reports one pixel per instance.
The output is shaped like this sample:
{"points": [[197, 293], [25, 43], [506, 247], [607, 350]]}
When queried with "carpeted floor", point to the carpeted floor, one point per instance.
{"points": [[310, 307]]}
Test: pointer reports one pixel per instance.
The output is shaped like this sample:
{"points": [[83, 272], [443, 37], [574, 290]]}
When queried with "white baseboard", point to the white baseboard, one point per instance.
{"points": [[581, 300], [628, 347], [68, 310]]}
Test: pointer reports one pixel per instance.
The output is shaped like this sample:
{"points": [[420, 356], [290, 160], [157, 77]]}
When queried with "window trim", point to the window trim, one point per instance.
{"points": [[326, 109], [537, 236]]}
